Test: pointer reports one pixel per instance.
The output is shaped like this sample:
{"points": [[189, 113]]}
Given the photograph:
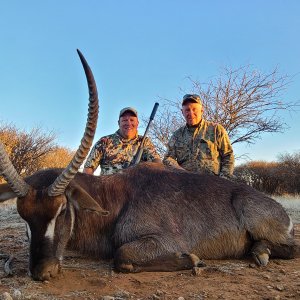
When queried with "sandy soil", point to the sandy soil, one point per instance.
{"points": [[83, 278]]}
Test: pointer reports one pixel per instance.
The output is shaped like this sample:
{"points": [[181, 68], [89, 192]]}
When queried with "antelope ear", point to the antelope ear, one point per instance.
{"points": [[6, 192], [82, 200]]}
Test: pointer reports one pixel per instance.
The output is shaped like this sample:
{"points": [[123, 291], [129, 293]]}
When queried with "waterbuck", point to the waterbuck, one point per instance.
{"points": [[147, 217]]}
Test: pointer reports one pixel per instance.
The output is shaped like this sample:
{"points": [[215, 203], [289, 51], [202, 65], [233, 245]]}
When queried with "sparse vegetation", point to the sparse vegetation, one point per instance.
{"points": [[33, 150], [274, 178], [245, 101]]}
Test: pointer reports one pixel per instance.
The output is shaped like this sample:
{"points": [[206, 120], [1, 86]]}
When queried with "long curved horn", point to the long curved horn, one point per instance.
{"points": [[8, 171], [62, 181]]}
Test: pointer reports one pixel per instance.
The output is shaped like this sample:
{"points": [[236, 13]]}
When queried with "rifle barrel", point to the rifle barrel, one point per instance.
{"points": [[139, 153]]}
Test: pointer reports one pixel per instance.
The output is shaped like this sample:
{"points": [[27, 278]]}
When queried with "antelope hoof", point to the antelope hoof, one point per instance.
{"points": [[262, 258], [196, 261], [127, 268]]}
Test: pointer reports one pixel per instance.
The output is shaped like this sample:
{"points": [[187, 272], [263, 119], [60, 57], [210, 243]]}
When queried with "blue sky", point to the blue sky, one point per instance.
{"points": [[139, 51]]}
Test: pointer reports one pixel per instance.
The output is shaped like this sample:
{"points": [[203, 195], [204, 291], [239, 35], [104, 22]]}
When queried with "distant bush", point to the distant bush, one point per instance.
{"points": [[275, 178], [34, 150]]}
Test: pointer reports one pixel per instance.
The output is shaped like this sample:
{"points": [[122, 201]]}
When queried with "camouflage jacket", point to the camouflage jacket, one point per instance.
{"points": [[203, 149], [114, 153]]}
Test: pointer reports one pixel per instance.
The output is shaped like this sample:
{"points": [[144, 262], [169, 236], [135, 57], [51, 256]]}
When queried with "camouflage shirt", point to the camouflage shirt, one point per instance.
{"points": [[114, 153], [204, 149]]}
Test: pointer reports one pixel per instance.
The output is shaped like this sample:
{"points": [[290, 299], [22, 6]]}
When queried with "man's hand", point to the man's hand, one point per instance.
{"points": [[227, 176], [88, 171]]}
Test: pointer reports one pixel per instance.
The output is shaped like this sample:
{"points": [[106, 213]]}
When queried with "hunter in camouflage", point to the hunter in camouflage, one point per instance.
{"points": [[116, 151], [200, 146]]}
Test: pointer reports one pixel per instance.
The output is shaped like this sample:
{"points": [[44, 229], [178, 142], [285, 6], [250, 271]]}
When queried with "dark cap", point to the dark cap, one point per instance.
{"points": [[191, 98], [128, 109]]}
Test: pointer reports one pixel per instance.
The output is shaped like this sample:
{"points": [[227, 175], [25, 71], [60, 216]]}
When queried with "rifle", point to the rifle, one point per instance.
{"points": [[139, 153]]}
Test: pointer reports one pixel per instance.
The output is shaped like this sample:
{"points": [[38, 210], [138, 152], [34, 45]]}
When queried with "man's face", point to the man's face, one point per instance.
{"points": [[192, 113], [128, 124]]}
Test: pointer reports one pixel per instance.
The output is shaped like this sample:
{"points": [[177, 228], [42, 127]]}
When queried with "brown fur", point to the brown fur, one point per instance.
{"points": [[157, 218]]}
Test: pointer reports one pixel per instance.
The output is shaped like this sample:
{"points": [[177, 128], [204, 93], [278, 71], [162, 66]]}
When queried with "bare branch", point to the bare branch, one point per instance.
{"points": [[31, 151], [246, 102]]}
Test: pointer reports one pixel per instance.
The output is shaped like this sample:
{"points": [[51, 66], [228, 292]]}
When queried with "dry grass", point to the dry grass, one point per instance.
{"points": [[291, 205]]}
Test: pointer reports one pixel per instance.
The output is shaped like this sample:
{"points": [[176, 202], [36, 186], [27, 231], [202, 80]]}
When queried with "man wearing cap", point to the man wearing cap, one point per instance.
{"points": [[200, 146], [115, 152]]}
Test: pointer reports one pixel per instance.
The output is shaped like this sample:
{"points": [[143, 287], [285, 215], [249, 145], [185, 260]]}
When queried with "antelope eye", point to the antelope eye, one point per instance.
{"points": [[63, 210]]}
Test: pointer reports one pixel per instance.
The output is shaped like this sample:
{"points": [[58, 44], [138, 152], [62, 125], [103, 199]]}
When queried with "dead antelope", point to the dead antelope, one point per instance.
{"points": [[159, 219]]}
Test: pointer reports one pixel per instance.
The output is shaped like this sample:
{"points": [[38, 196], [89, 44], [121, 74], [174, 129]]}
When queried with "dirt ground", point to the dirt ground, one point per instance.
{"points": [[83, 278]]}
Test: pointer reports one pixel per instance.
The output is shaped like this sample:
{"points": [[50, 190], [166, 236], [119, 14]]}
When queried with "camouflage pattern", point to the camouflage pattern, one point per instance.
{"points": [[114, 153], [205, 148]]}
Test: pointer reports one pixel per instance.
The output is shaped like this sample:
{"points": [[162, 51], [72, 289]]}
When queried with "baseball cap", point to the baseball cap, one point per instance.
{"points": [[192, 98], [129, 109]]}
